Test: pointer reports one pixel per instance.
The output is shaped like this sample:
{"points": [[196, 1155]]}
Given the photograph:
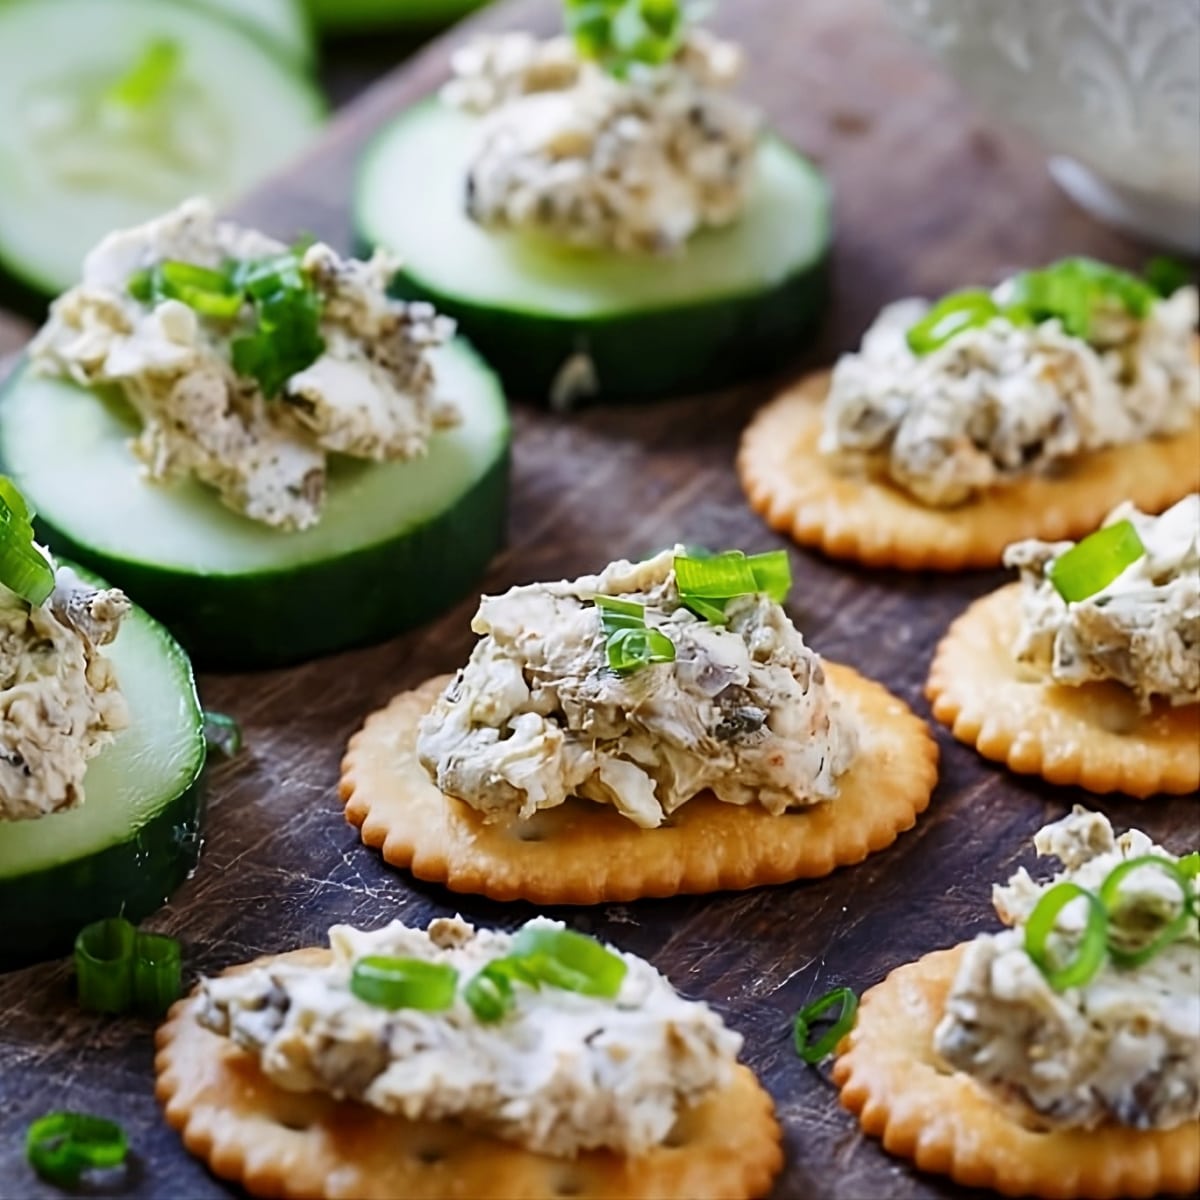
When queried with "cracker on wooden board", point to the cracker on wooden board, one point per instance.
{"points": [[587, 853], [920, 1108], [276, 1143], [1093, 736], [849, 513]]}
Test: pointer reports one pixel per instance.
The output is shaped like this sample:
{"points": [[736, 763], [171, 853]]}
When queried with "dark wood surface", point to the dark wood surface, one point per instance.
{"points": [[929, 197]]}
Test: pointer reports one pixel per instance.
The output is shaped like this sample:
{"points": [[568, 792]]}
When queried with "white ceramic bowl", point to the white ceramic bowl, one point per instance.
{"points": [[1111, 88]]}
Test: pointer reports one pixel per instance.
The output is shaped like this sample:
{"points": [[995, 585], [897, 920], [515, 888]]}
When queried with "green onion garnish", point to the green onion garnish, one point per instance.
{"points": [[61, 1146], [970, 309], [1110, 891], [145, 82], [1089, 954], [222, 733], [620, 33], [706, 585], [394, 983], [823, 1047], [569, 960], [630, 644], [286, 333], [119, 968], [490, 993], [1092, 564], [24, 569]]}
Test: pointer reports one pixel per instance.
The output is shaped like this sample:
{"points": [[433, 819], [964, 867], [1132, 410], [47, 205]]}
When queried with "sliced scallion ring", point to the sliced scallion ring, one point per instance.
{"points": [[1092, 949], [706, 585], [1092, 564], [157, 973], [1110, 891], [950, 316], [395, 983], [61, 1146], [490, 992], [222, 733], [815, 1052], [569, 960], [104, 953], [631, 649]]}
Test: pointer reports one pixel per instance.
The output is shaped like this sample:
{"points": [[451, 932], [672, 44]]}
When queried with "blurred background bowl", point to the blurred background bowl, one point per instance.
{"points": [[1111, 89]]}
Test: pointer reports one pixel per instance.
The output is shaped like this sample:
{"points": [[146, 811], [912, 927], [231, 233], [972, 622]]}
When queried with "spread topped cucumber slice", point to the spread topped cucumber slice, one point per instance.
{"points": [[141, 104], [137, 834], [397, 542], [735, 302]]}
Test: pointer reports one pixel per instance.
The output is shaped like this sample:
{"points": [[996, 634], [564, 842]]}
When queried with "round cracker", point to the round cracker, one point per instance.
{"points": [[920, 1108], [1094, 736], [587, 853], [277, 1143], [849, 512]]}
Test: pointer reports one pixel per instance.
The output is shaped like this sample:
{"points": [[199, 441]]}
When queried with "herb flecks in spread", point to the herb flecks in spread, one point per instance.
{"points": [[639, 163], [998, 387], [1140, 629], [560, 1072], [60, 703], [539, 714], [1121, 1048], [251, 389]]}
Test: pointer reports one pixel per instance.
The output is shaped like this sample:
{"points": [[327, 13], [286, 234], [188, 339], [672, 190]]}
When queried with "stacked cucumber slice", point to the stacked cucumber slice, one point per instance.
{"points": [[737, 302], [80, 156], [137, 835]]}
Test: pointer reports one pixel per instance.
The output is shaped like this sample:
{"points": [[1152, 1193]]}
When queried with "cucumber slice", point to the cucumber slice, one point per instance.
{"points": [[284, 23], [398, 543], [137, 834], [70, 170], [355, 16], [735, 303]]}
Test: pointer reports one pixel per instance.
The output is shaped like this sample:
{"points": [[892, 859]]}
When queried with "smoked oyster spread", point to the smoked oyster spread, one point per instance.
{"points": [[1087, 671], [603, 212], [1057, 1057], [264, 431], [526, 1057], [101, 748], [640, 731], [960, 427]]}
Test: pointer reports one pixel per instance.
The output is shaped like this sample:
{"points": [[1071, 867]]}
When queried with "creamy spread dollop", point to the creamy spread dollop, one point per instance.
{"points": [[1003, 400], [60, 703], [1142, 630], [1122, 1049], [371, 394], [537, 715], [561, 1073], [637, 164]]}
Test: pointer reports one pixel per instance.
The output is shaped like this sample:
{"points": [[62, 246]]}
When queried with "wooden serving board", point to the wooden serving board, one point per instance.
{"points": [[928, 198]]}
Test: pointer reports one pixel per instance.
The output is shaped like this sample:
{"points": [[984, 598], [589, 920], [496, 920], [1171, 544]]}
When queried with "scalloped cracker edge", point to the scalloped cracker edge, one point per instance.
{"points": [[587, 853], [848, 512], [1092, 736], [276, 1143], [921, 1109]]}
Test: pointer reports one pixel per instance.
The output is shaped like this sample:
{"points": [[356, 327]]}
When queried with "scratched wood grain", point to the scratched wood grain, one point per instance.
{"points": [[929, 197]]}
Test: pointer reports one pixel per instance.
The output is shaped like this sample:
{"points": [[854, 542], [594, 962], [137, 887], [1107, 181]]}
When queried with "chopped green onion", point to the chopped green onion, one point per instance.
{"points": [[222, 733], [24, 568], [620, 33], [1110, 891], [570, 960], [490, 993], [104, 953], [818, 1051], [157, 973], [1092, 564], [61, 1146], [630, 644], [950, 316], [1075, 290], [1089, 954], [145, 82], [1167, 275], [616, 614], [394, 983], [706, 585]]}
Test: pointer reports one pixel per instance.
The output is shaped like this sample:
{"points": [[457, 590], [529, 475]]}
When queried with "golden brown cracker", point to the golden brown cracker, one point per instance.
{"points": [[290, 1144], [1092, 736], [922, 1109], [850, 512], [587, 853]]}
